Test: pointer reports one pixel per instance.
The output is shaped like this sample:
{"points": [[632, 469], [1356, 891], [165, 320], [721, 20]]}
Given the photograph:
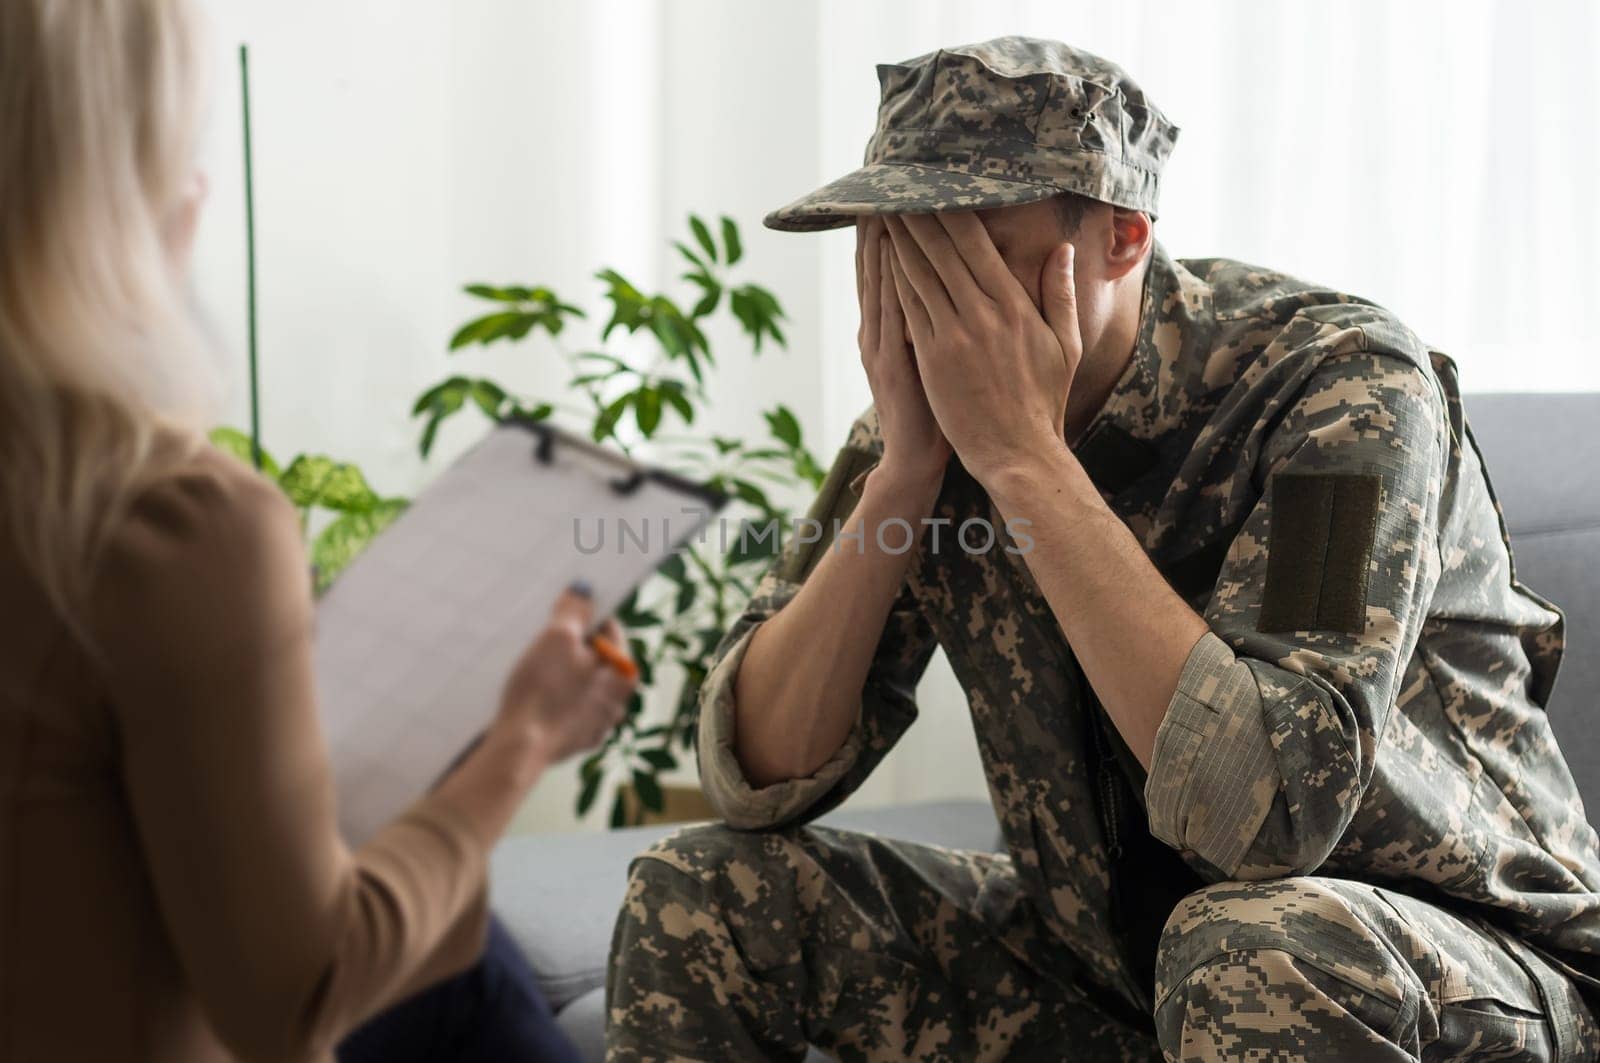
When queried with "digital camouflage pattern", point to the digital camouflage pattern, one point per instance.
{"points": [[1295, 770], [1008, 121]]}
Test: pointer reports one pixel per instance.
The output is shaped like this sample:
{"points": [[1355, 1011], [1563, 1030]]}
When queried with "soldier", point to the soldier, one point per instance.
{"points": [[1257, 691]]}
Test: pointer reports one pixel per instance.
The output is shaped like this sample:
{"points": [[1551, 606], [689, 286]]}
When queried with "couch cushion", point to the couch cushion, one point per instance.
{"points": [[558, 894], [1543, 455]]}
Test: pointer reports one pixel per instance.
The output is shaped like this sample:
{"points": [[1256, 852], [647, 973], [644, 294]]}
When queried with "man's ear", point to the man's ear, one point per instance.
{"points": [[1131, 235]]}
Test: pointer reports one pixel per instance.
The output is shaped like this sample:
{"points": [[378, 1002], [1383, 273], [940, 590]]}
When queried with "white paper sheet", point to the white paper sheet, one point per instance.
{"points": [[415, 638]]}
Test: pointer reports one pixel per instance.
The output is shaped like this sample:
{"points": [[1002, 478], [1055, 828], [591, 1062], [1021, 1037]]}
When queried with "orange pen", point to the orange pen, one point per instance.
{"points": [[613, 656]]}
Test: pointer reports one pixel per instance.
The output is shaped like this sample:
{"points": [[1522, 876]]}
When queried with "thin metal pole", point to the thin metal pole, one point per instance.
{"points": [[250, 257]]}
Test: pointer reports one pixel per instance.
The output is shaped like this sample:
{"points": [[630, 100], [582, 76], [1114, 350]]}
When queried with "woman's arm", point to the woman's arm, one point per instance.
{"points": [[204, 616]]}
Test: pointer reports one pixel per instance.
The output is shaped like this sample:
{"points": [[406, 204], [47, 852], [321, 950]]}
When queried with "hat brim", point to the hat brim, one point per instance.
{"points": [[902, 188]]}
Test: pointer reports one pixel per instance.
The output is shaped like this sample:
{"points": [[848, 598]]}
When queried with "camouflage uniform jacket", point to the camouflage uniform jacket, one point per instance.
{"points": [[1368, 702]]}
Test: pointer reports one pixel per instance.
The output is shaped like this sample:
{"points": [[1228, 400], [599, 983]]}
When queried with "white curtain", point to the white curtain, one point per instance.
{"points": [[1440, 158]]}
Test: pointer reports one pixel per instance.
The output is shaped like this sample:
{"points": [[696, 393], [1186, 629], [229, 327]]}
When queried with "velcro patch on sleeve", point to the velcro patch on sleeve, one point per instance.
{"points": [[837, 499], [1323, 529]]}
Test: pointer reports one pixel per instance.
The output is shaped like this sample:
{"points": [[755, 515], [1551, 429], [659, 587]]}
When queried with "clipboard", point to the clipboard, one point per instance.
{"points": [[415, 638]]}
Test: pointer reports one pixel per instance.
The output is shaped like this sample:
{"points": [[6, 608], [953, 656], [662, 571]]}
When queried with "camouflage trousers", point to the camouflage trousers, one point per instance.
{"points": [[745, 945]]}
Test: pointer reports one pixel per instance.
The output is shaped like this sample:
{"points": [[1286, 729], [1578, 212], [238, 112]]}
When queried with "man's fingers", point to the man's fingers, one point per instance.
{"points": [[918, 271], [891, 318], [871, 286], [861, 239], [916, 314], [1059, 300], [946, 259], [976, 248]]}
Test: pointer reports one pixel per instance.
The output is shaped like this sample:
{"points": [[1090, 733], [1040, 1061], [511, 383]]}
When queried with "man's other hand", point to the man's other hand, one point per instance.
{"points": [[912, 442], [996, 369]]}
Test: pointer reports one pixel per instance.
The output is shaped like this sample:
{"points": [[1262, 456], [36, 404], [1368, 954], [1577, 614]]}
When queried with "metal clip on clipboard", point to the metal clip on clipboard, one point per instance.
{"points": [[548, 436]]}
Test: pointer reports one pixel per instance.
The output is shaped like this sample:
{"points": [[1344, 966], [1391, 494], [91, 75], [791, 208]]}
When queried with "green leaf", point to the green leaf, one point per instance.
{"points": [[751, 493], [784, 426], [630, 616], [591, 790], [629, 308], [758, 312], [438, 403], [619, 812], [485, 329], [606, 423], [672, 392], [489, 396], [647, 410], [344, 538], [540, 412], [673, 569], [447, 393], [648, 790], [707, 304], [232, 441], [755, 543], [808, 468], [660, 759], [608, 359], [730, 240], [702, 236], [686, 595], [534, 308], [318, 480], [430, 432], [683, 249], [511, 294]]}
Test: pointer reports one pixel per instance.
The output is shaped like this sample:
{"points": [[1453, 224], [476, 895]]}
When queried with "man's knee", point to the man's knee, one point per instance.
{"points": [[717, 885], [714, 861], [1238, 961]]}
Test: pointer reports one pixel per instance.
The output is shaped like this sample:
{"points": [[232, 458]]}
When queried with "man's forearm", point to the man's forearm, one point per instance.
{"points": [[799, 687], [1129, 629]]}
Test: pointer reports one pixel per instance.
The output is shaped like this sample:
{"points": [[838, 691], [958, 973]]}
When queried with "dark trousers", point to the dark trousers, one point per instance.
{"points": [[492, 1012]]}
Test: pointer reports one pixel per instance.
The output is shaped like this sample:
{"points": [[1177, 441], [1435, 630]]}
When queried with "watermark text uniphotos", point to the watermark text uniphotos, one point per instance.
{"points": [[975, 535]]}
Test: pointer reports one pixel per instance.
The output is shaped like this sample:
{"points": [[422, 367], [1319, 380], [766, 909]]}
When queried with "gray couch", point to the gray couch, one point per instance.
{"points": [[559, 893]]}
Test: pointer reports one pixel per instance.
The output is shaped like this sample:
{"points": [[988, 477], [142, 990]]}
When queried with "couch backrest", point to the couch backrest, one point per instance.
{"points": [[1543, 456]]}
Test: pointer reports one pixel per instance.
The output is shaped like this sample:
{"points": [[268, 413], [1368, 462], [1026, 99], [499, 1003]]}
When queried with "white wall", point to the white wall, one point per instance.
{"points": [[1440, 158]]}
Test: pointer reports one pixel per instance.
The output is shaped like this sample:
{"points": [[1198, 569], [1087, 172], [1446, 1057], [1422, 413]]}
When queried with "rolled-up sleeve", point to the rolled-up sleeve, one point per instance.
{"points": [[723, 780], [1268, 742], [1212, 776], [888, 703]]}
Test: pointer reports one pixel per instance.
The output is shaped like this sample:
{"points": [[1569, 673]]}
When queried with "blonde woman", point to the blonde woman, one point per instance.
{"points": [[172, 885]]}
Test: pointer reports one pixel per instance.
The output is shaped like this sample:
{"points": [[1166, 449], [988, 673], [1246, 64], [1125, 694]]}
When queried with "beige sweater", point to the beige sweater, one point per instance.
{"points": [[172, 883]]}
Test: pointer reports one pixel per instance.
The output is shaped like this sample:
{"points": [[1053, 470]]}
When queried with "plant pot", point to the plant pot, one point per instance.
{"points": [[680, 803]]}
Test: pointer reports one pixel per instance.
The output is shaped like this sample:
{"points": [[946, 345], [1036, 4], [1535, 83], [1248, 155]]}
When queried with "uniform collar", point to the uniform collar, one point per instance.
{"points": [[1124, 440]]}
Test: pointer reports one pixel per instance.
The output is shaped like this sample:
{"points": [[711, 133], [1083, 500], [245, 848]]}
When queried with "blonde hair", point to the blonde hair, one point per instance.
{"points": [[100, 102]]}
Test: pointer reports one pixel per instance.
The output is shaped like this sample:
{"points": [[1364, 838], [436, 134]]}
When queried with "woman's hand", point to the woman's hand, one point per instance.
{"points": [[913, 442], [560, 693]]}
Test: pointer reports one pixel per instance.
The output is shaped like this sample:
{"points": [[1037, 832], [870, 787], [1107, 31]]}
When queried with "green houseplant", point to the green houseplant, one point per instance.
{"points": [[650, 401]]}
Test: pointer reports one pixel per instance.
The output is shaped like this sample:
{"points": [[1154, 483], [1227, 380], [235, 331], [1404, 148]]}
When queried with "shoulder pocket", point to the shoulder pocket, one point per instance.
{"points": [[1323, 526]]}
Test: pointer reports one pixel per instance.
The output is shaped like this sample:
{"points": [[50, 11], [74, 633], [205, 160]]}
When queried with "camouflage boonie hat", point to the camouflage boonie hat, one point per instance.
{"points": [[1008, 121]]}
